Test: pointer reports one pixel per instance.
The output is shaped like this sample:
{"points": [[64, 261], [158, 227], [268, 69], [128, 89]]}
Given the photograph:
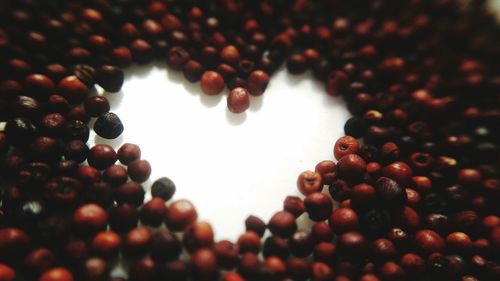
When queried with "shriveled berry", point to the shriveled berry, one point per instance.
{"points": [[108, 126], [390, 193], [309, 182], [85, 73]]}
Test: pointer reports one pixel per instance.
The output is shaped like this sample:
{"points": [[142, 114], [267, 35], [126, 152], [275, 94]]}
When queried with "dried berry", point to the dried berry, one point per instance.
{"points": [[108, 126]]}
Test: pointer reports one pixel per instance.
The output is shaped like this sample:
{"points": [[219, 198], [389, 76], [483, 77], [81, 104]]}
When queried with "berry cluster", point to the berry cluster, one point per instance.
{"points": [[414, 192]]}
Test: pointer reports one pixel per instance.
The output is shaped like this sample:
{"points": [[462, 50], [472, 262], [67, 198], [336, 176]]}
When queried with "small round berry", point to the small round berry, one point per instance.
{"points": [[238, 100], [57, 274], [212, 83]]}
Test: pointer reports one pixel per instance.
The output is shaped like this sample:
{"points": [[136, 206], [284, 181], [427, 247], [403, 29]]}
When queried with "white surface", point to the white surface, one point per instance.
{"points": [[229, 166]]}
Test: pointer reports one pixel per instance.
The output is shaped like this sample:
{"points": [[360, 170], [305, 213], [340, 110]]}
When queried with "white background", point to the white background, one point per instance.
{"points": [[228, 165]]}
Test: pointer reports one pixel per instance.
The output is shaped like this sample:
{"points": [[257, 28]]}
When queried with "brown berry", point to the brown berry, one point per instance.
{"points": [[238, 100], [211, 83]]}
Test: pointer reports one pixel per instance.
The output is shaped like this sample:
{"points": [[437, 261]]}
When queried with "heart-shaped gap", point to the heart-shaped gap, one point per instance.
{"points": [[229, 165]]}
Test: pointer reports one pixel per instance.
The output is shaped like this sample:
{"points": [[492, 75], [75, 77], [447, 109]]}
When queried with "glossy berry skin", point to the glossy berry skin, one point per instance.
{"points": [[130, 193], [257, 82], [129, 152], [230, 55], [343, 220], [351, 167], [318, 205], [115, 175], [294, 205], [94, 268], [429, 241], [204, 262], [96, 106], [89, 219], [238, 100], [136, 243], [353, 245], [180, 214], [459, 242], [102, 156], [249, 242], [327, 170], [198, 235], [212, 83], [233, 276], [74, 90], [139, 170], [282, 224], [153, 212], [106, 244], [256, 225], [7, 273], [398, 171], [57, 274], [193, 71]]}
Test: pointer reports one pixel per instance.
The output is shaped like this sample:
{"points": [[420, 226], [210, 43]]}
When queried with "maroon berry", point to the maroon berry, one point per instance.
{"points": [[211, 83], [238, 100]]}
